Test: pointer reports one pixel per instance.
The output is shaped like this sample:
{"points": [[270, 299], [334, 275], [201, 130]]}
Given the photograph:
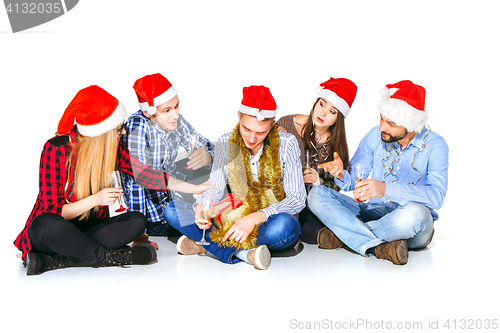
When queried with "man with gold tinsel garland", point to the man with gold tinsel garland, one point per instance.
{"points": [[261, 170]]}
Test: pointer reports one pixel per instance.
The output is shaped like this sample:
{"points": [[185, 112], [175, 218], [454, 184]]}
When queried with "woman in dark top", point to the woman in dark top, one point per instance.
{"points": [[321, 135]]}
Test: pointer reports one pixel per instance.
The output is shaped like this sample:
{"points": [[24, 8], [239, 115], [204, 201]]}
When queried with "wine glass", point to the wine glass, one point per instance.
{"points": [[307, 162], [359, 172], [206, 212], [192, 146], [116, 181]]}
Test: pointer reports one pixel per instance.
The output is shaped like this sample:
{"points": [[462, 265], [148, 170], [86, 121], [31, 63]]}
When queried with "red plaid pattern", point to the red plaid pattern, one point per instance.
{"points": [[53, 176]]}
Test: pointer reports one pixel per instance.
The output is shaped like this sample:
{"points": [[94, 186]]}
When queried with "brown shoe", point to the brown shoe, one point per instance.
{"points": [[328, 240], [188, 246], [396, 251], [260, 257]]}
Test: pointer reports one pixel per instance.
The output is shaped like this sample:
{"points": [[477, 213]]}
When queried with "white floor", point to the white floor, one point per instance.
{"points": [[446, 46], [322, 289]]}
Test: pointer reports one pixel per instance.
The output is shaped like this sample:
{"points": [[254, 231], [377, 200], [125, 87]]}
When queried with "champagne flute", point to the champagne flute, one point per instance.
{"points": [[307, 162], [116, 182], [192, 147], [206, 212], [359, 172]]}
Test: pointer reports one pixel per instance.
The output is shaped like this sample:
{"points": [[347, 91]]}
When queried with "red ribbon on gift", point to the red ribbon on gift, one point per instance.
{"points": [[232, 203]]}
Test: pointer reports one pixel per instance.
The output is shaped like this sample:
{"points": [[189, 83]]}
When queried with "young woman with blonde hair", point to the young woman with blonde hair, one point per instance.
{"points": [[70, 223]]}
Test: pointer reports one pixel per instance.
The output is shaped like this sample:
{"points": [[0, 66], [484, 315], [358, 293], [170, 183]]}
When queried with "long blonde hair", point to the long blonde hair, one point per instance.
{"points": [[95, 159]]}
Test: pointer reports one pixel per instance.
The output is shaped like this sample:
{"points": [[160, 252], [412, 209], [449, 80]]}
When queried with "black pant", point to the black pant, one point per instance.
{"points": [[311, 226], [87, 240]]}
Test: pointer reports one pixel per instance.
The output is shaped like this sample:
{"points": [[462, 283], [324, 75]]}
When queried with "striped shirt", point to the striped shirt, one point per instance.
{"points": [[156, 148], [291, 168]]}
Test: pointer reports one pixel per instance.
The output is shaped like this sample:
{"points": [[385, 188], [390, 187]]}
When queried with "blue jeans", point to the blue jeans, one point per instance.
{"points": [[362, 225], [279, 232]]}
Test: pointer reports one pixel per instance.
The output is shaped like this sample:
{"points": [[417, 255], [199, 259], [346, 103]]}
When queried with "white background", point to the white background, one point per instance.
{"points": [[210, 50]]}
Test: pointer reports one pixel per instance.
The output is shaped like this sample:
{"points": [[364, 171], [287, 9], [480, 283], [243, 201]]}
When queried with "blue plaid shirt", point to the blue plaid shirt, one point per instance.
{"points": [[158, 149]]}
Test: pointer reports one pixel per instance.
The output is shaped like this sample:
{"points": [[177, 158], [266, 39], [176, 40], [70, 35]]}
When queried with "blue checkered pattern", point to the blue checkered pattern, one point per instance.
{"points": [[158, 149]]}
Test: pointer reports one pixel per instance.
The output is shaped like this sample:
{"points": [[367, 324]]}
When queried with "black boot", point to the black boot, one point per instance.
{"points": [[137, 255], [37, 263]]}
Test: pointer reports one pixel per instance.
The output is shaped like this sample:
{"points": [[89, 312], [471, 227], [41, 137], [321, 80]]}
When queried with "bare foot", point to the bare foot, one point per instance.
{"points": [[143, 239]]}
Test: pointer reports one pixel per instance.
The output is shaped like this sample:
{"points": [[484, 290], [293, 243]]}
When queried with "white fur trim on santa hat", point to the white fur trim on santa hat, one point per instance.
{"points": [[159, 100], [165, 97], [263, 114], [112, 122], [401, 112], [335, 100]]}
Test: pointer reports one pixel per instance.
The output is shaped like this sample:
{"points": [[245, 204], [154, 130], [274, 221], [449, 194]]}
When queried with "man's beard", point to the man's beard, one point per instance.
{"points": [[393, 138]]}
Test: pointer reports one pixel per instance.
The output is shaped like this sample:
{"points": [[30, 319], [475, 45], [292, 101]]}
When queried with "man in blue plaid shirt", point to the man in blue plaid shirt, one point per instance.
{"points": [[154, 135]]}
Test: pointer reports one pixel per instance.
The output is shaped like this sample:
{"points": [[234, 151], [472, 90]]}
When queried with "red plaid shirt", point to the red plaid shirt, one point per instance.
{"points": [[54, 180]]}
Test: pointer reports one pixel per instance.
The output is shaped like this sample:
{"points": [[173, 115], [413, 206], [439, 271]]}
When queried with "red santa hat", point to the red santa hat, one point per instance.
{"points": [[340, 92], [152, 91], [94, 111], [257, 101], [404, 104]]}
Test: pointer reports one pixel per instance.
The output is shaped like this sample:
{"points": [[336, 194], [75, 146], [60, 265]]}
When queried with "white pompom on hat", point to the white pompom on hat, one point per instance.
{"points": [[152, 91], [94, 111], [404, 104]]}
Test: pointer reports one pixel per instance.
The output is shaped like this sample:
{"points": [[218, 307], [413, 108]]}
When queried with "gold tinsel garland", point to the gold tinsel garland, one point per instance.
{"points": [[267, 191]]}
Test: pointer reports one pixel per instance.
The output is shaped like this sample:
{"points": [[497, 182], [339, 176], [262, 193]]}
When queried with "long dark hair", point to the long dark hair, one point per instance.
{"points": [[337, 141]]}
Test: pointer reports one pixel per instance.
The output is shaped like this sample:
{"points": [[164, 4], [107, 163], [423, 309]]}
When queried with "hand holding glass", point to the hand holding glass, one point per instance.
{"points": [[116, 182], [307, 162], [206, 212], [359, 172]]}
